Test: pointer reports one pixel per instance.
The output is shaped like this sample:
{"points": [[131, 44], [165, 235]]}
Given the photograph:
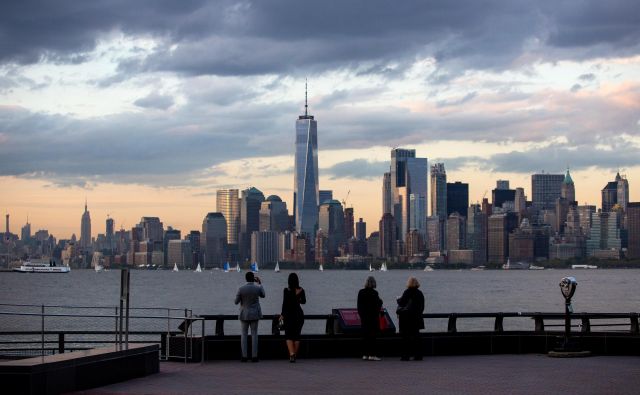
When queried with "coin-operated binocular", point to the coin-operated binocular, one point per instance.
{"points": [[568, 287]]}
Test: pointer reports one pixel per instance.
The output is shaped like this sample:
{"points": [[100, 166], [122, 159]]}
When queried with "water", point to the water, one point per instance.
{"points": [[213, 292]]}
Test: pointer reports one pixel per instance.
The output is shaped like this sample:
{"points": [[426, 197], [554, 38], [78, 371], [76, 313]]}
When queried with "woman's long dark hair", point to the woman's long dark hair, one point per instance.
{"points": [[293, 281]]}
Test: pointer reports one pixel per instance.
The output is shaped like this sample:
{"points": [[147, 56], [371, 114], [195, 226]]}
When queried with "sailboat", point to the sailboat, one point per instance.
{"points": [[254, 267], [238, 268], [321, 268], [225, 267], [371, 269], [198, 269], [175, 267], [383, 267], [277, 268]]}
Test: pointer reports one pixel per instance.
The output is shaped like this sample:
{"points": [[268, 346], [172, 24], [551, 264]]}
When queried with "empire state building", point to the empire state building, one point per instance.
{"points": [[305, 188], [85, 229]]}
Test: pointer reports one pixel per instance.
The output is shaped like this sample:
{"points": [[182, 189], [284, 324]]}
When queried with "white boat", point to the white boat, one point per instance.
{"points": [[254, 267], [428, 268], [371, 269], [321, 268], [534, 267], [225, 267], [515, 266], [198, 269], [477, 268], [41, 267], [238, 268], [584, 266], [383, 267], [277, 268], [175, 267], [99, 268]]}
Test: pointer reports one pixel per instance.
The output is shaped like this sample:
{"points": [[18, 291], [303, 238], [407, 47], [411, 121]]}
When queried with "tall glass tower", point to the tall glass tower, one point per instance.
{"points": [[305, 187]]}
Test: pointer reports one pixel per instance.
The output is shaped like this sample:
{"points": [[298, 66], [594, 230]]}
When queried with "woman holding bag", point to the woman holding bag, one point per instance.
{"points": [[369, 304], [410, 309], [292, 315]]}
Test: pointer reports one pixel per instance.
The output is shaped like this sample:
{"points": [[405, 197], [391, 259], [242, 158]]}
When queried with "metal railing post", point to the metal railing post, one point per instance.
{"points": [[61, 343], [116, 328], [635, 328], [498, 325], [451, 326], [42, 330], [202, 344], [586, 324], [186, 329]]}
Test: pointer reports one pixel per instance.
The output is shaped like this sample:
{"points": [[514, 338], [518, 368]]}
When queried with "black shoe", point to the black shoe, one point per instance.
{"points": [[292, 358], [254, 359], [243, 359]]}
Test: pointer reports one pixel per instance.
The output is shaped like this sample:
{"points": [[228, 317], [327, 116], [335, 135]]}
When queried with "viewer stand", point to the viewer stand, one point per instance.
{"points": [[124, 305], [568, 347]]}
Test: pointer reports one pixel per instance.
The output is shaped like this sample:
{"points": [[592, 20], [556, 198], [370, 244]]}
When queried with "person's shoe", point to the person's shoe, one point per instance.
{"points": [[374, 358], [292, 358], [365, 357], [254, 359], [243, 359]]}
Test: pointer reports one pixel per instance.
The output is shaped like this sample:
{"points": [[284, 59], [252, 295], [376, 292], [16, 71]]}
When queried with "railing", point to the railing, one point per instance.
{"points": [[44, 338], [39, 341], [541, 320]]}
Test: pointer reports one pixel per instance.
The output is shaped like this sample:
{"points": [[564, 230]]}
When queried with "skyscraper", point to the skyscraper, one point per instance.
{"points": [[609, 196], [109, 233], [386, 193], [477, 234], [153, 231], [213, 239], [387, 236], [633, 226], [305, 182], [408, 176], [274, 215], [622, 191], [85, 229], [228, 204], [331, 221], [438, 190], [348, 222], [361, 230], [25, 233], [250, 203], [568, 189], [546, 188], [457, 198], [324, 195]]}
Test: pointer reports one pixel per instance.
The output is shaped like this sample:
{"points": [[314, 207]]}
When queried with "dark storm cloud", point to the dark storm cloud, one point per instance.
{"points": [[155, 100], [587, 77], [287, 36], [356, 169], [554, 158]]}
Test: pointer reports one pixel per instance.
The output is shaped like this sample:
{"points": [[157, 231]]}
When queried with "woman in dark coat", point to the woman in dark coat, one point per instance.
{"points": [[292, 314], [410, 309], [369, 304]]}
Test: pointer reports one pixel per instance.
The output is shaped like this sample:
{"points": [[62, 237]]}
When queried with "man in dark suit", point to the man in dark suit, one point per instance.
{"points": [[250, 313]]}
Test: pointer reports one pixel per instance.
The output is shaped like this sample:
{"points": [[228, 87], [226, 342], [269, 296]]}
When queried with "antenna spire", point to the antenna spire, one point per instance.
{"points": [[306, 105]]}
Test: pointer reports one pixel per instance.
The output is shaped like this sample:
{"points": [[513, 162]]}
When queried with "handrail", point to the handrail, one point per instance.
{"points": [[91, 307], [164, 317]]}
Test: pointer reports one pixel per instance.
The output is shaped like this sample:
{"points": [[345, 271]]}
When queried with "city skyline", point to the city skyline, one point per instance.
{"points": [[151, 115]]}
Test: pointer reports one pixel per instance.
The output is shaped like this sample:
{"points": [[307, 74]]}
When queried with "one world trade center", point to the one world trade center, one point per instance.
{"points": [[305, 188]]}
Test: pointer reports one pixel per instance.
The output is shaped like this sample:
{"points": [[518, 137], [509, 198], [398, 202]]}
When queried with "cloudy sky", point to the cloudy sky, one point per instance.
{"points": [[147, 108]]}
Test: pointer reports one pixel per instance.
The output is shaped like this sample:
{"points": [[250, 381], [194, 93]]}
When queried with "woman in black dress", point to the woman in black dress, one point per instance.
{"points": [[369, 304], [410, 309], [292, 314]]}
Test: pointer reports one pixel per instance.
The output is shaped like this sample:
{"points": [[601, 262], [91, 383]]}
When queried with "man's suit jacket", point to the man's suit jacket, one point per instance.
{"points": [[248, 296]]}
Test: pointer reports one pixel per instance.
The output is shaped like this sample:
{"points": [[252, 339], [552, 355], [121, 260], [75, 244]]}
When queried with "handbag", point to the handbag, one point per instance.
{"points": [[404, 309], [281, 324], [383, 321]]}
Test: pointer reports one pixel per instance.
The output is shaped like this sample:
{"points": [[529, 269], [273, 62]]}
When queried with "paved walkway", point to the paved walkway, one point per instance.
{"points": [[487, 375]]}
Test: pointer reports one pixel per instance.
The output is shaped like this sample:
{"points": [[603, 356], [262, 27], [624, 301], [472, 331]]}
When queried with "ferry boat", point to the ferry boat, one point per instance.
{"points": [[478, 268], [584, 266], [534, 267], [41, 267], [428, 268]]}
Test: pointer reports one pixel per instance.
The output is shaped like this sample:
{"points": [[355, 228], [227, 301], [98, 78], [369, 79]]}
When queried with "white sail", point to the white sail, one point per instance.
{"points": [[238, 268], [175, 267], [277, 268], [198, 269], [321, 268], [370, 268], [383, 267]]}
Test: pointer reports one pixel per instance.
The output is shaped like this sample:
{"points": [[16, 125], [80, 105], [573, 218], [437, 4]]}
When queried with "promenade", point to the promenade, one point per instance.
{"points": [[483, 374]]}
